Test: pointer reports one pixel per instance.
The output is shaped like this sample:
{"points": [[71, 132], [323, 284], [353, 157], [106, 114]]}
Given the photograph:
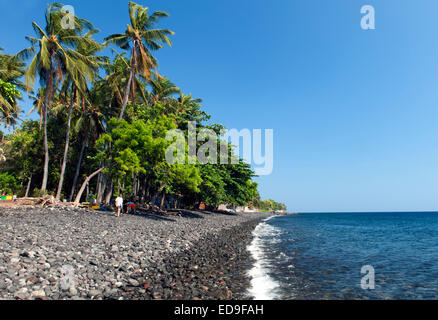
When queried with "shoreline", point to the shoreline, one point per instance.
{"points": [[201, 255], [262, 285]]}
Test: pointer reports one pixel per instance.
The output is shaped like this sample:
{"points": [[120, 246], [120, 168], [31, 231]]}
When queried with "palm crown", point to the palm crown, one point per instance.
{"points": [[141, 37]]}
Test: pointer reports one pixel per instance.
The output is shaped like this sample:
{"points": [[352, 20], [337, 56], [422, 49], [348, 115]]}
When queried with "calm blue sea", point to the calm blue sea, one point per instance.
{"points": [[320, 256]]}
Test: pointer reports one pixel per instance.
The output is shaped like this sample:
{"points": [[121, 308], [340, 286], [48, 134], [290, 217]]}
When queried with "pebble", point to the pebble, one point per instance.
{"points": [[38, 293], [94, 293]]}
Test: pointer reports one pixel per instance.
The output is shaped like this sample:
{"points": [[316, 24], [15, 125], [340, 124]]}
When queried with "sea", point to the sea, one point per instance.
{"points": [[346, 256]]}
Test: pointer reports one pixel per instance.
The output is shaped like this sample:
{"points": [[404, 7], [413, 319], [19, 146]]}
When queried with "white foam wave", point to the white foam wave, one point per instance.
{"points": [[263, 287]]}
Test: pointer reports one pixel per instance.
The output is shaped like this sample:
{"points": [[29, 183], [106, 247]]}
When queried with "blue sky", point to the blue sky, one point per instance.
{"points": [[354, 112]]}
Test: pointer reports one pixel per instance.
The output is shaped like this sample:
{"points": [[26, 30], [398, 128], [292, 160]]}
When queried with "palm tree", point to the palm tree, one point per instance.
{"points": [[90, 123], [186, 102], [11, 70], [162, 89], [9, 109], [108, 91], [117, 77], [144, 40], [87, 49], [54, 55], [38, 102], [11, 117]]}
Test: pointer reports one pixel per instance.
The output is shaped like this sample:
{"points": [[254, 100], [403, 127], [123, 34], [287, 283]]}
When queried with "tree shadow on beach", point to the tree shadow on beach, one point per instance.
{"points": [[158, 216], [184, 213], [144, 214], [225, 213], [154, 216]]}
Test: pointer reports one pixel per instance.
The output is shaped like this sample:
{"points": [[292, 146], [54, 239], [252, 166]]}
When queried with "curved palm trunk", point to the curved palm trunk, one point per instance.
{"points": [[78, 169], [46, 144], [28, 187], [67, 142], [128, 86], [81, 191]]}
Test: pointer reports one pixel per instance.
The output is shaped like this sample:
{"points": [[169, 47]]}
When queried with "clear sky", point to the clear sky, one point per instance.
{"points": [[355, 112]]}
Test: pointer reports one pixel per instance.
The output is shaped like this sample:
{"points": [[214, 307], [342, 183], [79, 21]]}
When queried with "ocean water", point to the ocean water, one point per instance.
{"points": [[321, 255]]}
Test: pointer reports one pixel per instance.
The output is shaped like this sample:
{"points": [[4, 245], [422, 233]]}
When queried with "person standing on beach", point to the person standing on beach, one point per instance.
{"points": [[119, 204]]}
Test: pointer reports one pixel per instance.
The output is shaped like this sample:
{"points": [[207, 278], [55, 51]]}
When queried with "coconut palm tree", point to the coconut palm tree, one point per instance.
{"points": [[89, 124], [117, 77], [11, 70], [87, 49], [10, 118], [38, 101], [141, 39], [9, 108], [162, 89], [53, 56]]}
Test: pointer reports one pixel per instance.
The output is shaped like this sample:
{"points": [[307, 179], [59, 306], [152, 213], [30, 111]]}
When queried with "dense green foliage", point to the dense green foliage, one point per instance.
{"points": [[11, 70], [269, 205], [9, 94], [108, 116], [8, 183]]}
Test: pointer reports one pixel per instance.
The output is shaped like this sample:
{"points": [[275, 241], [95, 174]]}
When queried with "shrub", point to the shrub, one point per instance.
{"points": [[8, 183]]}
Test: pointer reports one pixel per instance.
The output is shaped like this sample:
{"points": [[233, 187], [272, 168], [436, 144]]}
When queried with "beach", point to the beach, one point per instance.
{"points": [[71, 253]]}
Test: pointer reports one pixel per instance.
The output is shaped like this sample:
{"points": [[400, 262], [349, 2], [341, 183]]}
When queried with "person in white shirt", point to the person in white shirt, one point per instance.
{"points": [[119, 204]]}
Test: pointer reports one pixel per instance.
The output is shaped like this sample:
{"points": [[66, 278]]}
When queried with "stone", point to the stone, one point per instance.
{"points": [[38, 293], [94, 293], [133, 282]]}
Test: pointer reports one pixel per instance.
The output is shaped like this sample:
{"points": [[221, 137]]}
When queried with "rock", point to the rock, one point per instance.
{"points": [[133, 282], [20, 296], [21, 293], [32, 280], [73, 291], [47, 291], [94, 293], [38, 293]]}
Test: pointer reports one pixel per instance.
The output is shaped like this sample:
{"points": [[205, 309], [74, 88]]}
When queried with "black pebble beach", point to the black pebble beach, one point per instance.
{"points": [[198, 255]]}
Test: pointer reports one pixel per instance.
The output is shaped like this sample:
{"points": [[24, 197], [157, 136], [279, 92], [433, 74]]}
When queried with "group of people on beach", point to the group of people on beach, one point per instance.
{"points": [[130, 206]]}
